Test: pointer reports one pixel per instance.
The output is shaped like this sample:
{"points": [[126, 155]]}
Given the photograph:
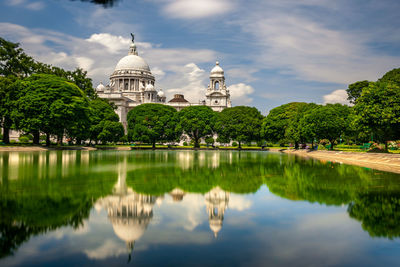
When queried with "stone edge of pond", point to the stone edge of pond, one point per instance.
{"points": [[378, 161]]}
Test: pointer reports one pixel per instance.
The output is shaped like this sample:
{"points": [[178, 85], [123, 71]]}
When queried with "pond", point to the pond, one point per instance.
{"points": [[197, 208]]}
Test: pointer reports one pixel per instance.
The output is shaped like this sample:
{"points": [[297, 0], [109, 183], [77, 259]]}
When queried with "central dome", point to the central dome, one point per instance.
{"points": [[132, 62]]}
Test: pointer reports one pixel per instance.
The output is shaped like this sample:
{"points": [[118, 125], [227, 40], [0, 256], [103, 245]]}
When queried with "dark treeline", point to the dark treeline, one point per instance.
{"points": [[39, 99]]}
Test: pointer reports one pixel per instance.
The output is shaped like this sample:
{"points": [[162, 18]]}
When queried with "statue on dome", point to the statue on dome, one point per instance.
{"points": [[133, 37]]}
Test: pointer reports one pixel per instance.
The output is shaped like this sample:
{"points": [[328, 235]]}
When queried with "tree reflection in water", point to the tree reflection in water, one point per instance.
{"points": [[40, 192]]}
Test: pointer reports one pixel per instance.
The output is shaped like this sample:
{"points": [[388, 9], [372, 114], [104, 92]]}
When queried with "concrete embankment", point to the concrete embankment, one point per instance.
{"points": [[379, 161]]}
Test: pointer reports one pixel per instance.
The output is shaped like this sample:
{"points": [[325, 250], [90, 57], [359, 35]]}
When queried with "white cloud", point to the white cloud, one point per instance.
{"points": [[240, 94], [108, 249], [239, 202], [295, 44], [191, 83], [338, 96], [98, 54], [27, 4], [195, 9], [84, 62]]}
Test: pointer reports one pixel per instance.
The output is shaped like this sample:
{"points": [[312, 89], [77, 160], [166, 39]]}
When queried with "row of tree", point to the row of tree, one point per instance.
{"points": [[38, 98], [375, 112], [152, 123]]}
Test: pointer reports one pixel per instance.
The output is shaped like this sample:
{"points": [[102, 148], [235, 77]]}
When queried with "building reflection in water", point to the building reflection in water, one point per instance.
{"points": [[216, 203], [189, 159], [128, 211], [50, 164], [177, 194]]}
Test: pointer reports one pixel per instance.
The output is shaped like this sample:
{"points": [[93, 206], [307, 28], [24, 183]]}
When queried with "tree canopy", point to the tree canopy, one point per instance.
{"points": [[241, 123], [327, 122], [354, 90], [197, 122], [104, 122], [392, 76], [282, 123], [52, 105], [378, 110], [152, 123]]}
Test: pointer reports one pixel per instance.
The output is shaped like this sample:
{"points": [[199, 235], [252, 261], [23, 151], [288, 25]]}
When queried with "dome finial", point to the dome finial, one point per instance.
{"points": [[132, 47], [217, 63]]}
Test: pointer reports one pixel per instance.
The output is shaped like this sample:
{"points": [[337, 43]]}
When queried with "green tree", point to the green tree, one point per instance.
{"points": [[112, 131], [296, 132], [14, 63], [197, 122], [327, 122], [77, 76], [377, 110], [391, 76], [354, 90], [152, 123], [100, 111], [241, 123], [279, 125], [52, 105], [13, 60]]}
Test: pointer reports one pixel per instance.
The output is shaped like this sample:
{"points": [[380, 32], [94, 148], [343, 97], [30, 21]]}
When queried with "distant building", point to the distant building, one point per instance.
{"points": [[132, 84]]}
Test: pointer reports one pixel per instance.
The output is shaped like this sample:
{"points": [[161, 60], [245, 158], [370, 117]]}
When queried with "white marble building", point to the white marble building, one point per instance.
{"points": [[132, 84]]}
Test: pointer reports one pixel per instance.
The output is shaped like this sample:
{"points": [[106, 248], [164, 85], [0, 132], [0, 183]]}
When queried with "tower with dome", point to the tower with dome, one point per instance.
{"points": [[132, 84]]}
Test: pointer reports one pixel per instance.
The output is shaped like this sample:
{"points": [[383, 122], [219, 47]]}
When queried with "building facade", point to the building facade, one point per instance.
{"points": [[132, 84]]}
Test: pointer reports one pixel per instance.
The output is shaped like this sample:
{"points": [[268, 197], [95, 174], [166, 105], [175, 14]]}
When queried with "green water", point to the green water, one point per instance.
{"points": [[169, 208]]}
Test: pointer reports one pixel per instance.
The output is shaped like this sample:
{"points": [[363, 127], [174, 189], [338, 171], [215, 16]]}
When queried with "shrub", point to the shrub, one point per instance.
{"points": [[42, 137], [13, 141], [234, 144], [23, 139], [185, 143], [210, 141], [1, 136]]}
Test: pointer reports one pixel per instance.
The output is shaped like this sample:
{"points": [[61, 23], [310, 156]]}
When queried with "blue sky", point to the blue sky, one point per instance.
{"points": [[273, 52]]}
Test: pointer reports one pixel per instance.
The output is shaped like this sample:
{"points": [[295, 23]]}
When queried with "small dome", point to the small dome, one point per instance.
{"points": [[100, 87], [161, 94], [149, 87], [132, 62], [217, 69]]}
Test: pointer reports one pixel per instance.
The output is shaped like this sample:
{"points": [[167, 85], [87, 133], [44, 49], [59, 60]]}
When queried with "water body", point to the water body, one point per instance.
{"points": [[197, 208]]}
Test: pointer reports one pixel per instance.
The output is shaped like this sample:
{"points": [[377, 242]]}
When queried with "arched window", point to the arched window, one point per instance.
{"points": [[216, 85]]}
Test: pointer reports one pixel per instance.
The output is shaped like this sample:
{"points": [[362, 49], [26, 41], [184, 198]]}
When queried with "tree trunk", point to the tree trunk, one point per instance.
{"points": [[312, 144], [59, 139], [6, 135], [332, 143], [36, 137], [386, 146], [296, 145], [196, 143], [240, 145], [153, 145], [47, 139]]}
